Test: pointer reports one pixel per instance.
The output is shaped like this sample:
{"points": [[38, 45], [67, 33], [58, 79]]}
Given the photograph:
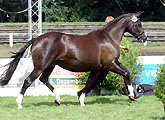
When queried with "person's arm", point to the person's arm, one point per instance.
{"points": [[125, 48]]}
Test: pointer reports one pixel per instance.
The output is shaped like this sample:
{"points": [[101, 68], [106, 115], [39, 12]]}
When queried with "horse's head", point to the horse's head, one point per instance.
{"points": [[135, 27]]}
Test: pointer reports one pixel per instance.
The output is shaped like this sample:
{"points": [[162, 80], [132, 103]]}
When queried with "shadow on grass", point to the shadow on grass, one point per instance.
{"points": [[43, 103], [26, 105], [158, 118], [107, 101], [10, 105], [87, 102], [53, 103], [76, 102]]}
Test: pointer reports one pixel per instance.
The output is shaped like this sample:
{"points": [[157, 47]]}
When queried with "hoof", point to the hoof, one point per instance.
{"points": [[19, 106], [57, 102], [82, 105], [132, 98]]}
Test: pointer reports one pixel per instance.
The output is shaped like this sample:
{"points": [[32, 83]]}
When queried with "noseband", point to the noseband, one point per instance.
{"points": [[139, 35]]}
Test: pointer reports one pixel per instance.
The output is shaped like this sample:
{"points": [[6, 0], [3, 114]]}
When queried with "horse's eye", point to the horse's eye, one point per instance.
{"points": [[139, 25]]}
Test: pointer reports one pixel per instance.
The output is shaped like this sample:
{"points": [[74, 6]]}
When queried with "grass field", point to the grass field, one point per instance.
{"points": [[6, 50], [97, 108]]}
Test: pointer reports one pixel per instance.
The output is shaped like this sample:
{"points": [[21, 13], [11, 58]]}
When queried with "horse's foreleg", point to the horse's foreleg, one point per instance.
{"points": [[127, 78], [28, 81], [94, 79], [19, 101], [44, 79]]}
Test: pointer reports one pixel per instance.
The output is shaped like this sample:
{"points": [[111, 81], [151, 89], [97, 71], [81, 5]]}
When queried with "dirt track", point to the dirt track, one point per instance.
{"points": [[153, 52]]}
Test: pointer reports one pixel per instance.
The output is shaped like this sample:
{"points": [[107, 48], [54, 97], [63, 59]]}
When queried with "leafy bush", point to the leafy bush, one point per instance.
{"points": [[114, 81], [159, 86]]}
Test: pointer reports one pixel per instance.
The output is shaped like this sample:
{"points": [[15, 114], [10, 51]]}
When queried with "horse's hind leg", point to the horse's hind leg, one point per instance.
{"points": [[28, 81], [94, 79], [44, 79]]}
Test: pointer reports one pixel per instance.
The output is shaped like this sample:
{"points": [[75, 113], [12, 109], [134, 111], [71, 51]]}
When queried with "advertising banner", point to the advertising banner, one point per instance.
{"points": [[60, 76], [150, 69]]}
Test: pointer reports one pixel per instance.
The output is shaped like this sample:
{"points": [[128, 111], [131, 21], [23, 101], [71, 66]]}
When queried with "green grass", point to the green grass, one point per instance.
{"points": [[14, 46], [6, 50], [97, 108]]}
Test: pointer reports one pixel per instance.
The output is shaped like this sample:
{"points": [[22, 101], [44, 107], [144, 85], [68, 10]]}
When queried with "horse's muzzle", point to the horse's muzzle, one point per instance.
{"points": [[142, 36]]}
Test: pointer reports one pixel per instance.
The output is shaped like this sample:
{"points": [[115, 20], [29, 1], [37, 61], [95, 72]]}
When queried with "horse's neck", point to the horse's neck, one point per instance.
{"points": [[117, 30]]}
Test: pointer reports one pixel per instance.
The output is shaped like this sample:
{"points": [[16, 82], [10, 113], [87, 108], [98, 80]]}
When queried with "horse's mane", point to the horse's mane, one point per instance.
{"points": [[116, 19]]}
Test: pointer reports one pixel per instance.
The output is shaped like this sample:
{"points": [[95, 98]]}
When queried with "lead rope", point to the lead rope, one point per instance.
{"points": [[8, 12], [163, 2], [120, 6]]}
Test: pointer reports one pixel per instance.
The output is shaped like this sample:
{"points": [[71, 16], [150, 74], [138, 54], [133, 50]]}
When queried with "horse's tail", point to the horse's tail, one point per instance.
{"points": [[6, 76]]}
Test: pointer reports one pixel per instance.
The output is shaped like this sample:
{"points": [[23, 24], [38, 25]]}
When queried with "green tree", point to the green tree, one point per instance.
{"points": [[55, 11], [83, 10]]}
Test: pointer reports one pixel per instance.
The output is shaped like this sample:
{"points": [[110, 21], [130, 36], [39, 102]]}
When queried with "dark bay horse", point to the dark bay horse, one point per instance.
{"points": [[97, 51]]}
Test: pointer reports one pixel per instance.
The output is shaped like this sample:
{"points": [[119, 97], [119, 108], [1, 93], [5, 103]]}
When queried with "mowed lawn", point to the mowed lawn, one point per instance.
{"points": [[97, 108]]}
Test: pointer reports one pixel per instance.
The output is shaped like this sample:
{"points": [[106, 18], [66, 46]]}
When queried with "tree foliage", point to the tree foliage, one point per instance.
{"points": [[83, 10], [55, 11], [13, 6], [159, 86]]}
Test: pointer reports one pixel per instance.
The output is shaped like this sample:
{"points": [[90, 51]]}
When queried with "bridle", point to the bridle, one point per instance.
{"points": [[137, 35]]}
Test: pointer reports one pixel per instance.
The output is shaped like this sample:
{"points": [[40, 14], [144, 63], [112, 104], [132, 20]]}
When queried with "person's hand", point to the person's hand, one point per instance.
{"points": [[126, 49]]}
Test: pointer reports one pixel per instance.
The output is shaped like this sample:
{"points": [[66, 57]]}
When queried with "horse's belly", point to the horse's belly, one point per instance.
{"points": [[77, 66]]}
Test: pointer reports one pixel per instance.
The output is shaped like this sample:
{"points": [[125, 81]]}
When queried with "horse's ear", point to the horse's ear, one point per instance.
{"points": [[138, 13]]}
